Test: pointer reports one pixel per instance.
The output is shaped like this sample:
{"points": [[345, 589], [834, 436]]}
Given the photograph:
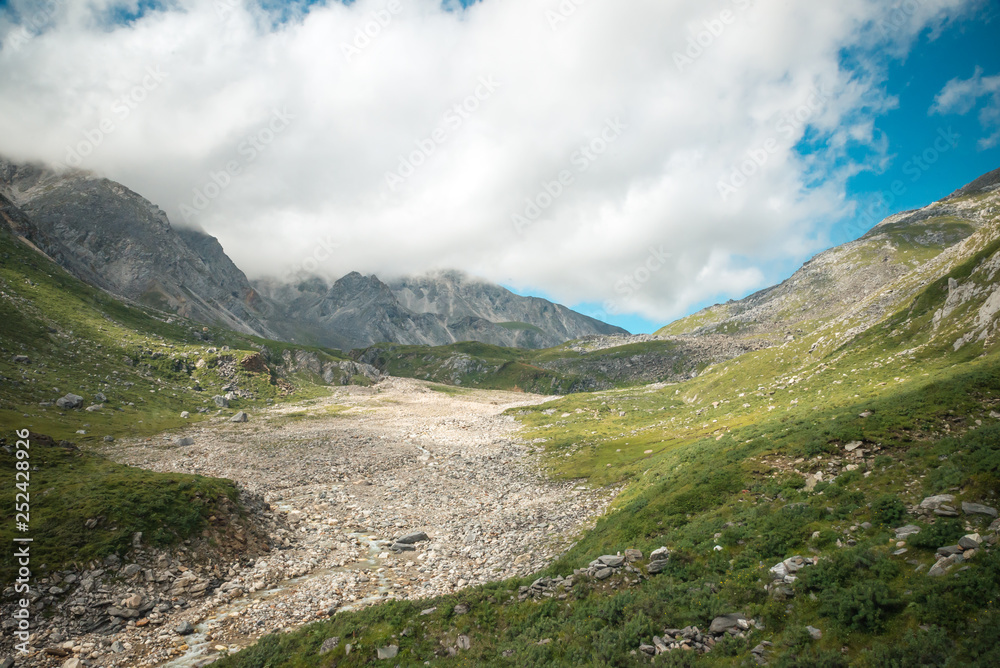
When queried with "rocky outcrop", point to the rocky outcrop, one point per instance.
{"points": [[114, 239]]}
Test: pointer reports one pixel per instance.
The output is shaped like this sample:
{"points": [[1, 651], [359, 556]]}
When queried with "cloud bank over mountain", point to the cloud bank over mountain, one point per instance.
{"points": [[646, 155]]}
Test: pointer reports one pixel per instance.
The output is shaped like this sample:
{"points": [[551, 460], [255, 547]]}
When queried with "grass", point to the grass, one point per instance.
{"points": [[149, 366]]}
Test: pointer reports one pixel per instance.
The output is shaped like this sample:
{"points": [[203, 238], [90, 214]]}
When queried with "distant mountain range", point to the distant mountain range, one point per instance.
{"points": [[113, 238]]}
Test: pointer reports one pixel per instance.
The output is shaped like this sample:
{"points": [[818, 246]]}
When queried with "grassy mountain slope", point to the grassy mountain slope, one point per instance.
{"points": [[59, 336], [820, 445]]}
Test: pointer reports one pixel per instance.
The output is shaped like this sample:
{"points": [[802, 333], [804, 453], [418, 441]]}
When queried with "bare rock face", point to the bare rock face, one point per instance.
{"points": [[436, 309], [113, 238]]}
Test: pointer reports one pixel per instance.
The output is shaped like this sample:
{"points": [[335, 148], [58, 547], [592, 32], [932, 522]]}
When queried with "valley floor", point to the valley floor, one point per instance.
{"points": [[350, 473]]}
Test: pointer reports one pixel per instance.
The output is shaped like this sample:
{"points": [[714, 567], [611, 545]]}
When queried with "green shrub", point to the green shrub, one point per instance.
{"points": [[865, 606], [932, 649], [888, 510], [941, 533]]}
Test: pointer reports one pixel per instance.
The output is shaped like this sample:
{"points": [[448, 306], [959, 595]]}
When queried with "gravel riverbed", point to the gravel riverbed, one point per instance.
{"points": [[344, 477]]}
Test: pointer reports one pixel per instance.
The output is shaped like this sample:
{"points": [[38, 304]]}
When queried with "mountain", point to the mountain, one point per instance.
{"points": [[114, 239], [846, 290], [436, 309]]}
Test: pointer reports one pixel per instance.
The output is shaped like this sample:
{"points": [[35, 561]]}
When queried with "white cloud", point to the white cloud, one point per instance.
{"points": [[960, 96], [689, 126]]}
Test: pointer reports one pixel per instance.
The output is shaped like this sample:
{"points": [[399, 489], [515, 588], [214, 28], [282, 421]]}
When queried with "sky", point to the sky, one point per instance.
{"points": [[636, 161]]}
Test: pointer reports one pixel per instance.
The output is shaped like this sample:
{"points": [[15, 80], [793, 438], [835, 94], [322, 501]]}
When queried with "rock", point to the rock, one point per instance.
{"points": [[658, 554], [461, 609], [814, 633], [402, 547], [123, 613], [94, 408], [463, 642], [239, 417], [73, 663], [411, 538], [184, 629], [725, 622], [902, 533], [429, 611], [22, 359], [941, 567], [611, 560], [220, 401], [970, 541], [603, 573], [853, 445], [994, 526], [949, 550], [184, 440], [100, 398], [109, 439], [7, 663], [134, 601], [117, 647], [389, 652], [185, 415], [657, 566], [633, 555], [131, 570], [70, 401], [329, 644], [935, 502], [978, 509], [648, 650]]}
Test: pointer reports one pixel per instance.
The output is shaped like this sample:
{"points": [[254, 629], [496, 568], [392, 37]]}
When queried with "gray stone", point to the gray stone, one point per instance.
{"points": [[611, 560], [659, 554], [935, 502], [949, 550], [902, 533], [184, 440], [123, 613], [970, 541], [329, 644], [389, 652], [633, 555], [814, 633], [648, 650], [657, 566], [411, 538], [239, 417], [109, 439], [117, 647], [429, 611], [603, 574], [184, 629], [185, 414], [463, 642], [402, 547], [94, 408], [725, 622], [978, 509], [70, 401], [20, 359], [73, 663], [100, 398], [131, 570], [461, 609], [220, 401]]}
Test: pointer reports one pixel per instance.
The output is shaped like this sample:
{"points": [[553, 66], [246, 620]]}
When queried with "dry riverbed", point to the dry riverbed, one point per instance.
{"points": [[344, 476]]}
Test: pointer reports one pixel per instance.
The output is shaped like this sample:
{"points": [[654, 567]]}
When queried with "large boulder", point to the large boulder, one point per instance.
{"points": [[726, 622], [411, 538], [70, 401]]}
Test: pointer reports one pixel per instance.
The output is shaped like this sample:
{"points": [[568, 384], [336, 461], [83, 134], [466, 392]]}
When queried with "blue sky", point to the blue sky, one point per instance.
{"points": [[910, 129], [561, 149]]}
